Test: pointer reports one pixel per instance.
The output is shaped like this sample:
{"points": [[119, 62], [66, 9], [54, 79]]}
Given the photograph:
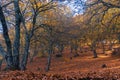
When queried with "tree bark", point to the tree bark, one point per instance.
{"points": [[8, 56], [94, 49], [49, 57], [3, 53], [26, 53], [103, 47], [28, 37], [76, 49], [16, 45], [95, 53], [35, 52], [60, 48], [118, 36]]}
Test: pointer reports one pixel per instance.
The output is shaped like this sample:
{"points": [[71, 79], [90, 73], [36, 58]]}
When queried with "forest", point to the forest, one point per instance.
{"points": [[59, 39]]}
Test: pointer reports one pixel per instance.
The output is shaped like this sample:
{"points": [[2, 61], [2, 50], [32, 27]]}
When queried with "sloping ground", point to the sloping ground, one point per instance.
{"points": [[80, 68]]}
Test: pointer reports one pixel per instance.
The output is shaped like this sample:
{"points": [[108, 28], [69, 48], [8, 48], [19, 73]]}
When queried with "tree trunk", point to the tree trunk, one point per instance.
{"points": [[49, 60], [81, 49], [111, 44], [34, 53], [1, 60], [103, 47], [94, 49], [3, 53], [8, 56], [60, 48], [16, 45], [76, 49], [95, 53], [118, 36], [50, 51], [71, 49], [28, 37], [26, 53]]}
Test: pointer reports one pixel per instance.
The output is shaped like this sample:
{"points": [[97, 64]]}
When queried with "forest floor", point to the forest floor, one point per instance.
{"points": [[84, 67]]}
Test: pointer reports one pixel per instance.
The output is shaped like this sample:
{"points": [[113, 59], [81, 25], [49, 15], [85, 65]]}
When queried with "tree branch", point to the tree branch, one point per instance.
{"points": [[7, 4]]}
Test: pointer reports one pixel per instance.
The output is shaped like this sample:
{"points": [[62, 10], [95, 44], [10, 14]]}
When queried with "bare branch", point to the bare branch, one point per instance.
{"points": [[8, 4]]}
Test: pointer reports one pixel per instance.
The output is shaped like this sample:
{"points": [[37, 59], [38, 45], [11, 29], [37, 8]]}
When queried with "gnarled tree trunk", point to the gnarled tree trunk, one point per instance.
{"points": [[8, 55], [16, 45]]}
